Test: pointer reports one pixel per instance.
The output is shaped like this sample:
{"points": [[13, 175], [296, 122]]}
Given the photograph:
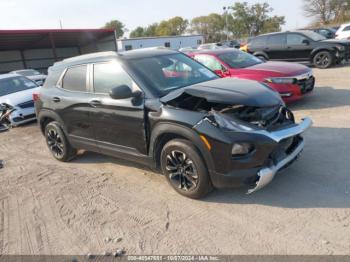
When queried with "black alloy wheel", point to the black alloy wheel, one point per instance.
{"points": [[58, 143], [323, 59], [54, 142], [184, 168], [181, 171]]}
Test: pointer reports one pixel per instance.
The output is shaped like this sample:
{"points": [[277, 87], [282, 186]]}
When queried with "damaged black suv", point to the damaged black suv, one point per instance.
{"points": [[161, 108]]}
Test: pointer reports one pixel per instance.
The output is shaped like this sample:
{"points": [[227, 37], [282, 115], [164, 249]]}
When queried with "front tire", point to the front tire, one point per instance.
{"points": [[323, 59], [58, 144], [185, 169]]}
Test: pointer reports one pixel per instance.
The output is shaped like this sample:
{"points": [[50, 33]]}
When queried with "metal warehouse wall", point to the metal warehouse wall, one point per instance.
{"points": [[41, 59]]}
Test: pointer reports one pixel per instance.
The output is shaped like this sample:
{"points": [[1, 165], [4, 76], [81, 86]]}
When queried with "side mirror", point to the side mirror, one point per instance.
{"points": [[122, 92], [306, 42]]}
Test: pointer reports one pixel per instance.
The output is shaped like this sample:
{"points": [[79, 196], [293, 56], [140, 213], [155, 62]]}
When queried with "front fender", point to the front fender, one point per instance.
{"points": [[181, 131]]}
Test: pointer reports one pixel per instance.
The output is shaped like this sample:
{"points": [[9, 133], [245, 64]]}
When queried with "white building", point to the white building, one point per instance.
{"points": [[173, 42]]}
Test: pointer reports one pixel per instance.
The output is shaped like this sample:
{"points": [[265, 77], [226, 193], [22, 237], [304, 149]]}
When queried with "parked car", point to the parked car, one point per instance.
{"points": [[328, 33], [291, 80], [17, 92], [231, 44], [301, 46], [343, 32], [32, 74], [202, 131], [211, 46]]}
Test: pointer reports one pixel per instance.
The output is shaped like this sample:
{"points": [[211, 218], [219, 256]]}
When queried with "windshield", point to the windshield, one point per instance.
{"points": [[30, 72], [314, 36], [169, 72], [15, 84], [239, 59]]}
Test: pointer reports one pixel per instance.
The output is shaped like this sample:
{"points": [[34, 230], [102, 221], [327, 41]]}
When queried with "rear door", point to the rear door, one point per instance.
{"points": [[71, 101], [298, 47], [119, 125], [276, 47]]}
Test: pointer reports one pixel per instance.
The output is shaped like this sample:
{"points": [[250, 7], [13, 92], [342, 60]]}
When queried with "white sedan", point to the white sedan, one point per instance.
{"points": [[32, 74], [17, 91]]}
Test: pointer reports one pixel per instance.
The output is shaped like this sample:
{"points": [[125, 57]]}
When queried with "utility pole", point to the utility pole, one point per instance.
{"points": [[226, 8], [61, 24]]}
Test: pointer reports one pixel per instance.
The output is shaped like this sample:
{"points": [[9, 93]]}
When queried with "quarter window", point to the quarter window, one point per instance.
{"points": [[295, 39], [110, 75], [209, 62], [347, 28], [75, 79]]}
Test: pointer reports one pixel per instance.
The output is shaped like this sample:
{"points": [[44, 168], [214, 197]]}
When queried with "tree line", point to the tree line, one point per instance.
{"points": [[240, 20]]}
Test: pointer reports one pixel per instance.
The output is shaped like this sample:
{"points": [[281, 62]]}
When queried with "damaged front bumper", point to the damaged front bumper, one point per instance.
{"points": [[266, 175]]}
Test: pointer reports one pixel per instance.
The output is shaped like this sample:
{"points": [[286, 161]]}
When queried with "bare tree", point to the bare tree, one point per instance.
{"points": [[327, 11]]}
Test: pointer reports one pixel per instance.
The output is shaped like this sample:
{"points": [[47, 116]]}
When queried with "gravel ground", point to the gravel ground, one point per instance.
{"points": [[96, 203]]}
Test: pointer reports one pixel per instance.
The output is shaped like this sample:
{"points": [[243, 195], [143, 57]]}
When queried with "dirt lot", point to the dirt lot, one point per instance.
{"points": [[97, 203]]}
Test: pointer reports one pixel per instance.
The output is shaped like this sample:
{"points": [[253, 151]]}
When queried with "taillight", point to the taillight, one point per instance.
{"points": [[36, 97]]}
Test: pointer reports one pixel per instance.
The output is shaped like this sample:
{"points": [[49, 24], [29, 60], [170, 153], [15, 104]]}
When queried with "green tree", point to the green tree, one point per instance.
{"points": [[118, 26], [151, 30], [252, 20], [174, 26], [211, 26], [138, 32]]}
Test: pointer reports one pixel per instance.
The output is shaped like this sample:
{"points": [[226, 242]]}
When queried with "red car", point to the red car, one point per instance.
{"points": [[291, 80]]}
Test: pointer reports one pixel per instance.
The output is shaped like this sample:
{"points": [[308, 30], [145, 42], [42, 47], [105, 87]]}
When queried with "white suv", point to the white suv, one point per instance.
{"points": [[343, 32]]}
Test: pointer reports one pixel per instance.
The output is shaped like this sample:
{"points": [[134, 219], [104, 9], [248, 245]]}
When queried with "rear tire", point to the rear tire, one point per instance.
{"points": [[58, 144], [185, 169], [262, 58], [323, 59]]}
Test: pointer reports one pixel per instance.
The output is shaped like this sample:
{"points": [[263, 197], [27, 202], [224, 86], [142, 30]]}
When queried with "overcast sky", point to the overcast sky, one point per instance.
{"points": [[40, 14]]}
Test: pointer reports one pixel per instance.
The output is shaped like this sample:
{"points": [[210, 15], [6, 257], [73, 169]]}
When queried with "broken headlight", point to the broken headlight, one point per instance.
{"points": [[241, 149]]}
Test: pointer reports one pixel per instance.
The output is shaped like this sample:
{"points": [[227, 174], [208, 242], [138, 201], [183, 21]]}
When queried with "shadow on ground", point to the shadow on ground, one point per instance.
{"points": [[323, 97]]}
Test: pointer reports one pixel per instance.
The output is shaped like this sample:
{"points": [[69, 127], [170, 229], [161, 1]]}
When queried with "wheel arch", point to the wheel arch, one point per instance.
{"points": [[321, 49], [47, 116], [261, 53], [165, 132]]}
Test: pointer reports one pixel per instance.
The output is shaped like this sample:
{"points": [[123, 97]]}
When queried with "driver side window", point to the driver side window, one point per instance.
{"points": [[110, 75], [295, 39], [210, 62]]}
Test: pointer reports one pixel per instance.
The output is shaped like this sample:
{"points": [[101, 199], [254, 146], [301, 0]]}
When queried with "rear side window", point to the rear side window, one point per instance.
{"points": [[347, 28], [53, 77], [75, 79], [258, 41], [276, 40], [209, 62], [110, 75]]}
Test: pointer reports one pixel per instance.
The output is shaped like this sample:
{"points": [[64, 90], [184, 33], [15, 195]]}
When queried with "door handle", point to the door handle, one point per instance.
{"points": [[95, 102], [56, 99]]}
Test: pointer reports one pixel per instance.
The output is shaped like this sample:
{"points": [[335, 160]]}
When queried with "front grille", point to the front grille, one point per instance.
{"points": [[306, 85], [27, 104], [285, 148]]}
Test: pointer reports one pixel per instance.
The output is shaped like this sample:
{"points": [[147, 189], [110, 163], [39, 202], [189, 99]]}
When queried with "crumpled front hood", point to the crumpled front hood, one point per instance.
{"points": [[231, 91], [337, 41]]}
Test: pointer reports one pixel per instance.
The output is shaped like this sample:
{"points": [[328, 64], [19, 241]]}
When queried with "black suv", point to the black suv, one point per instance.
{"points": [[163, 109], [300, 46]]}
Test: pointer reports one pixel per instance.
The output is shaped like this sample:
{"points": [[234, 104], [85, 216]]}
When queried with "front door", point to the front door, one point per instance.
{"points": [[298, 47], [118, 124]]}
